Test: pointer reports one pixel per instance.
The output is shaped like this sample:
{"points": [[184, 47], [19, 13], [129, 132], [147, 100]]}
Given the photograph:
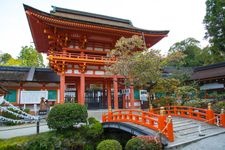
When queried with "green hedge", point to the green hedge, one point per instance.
{"points": [[109, 145], [143, 143], [64, 116]]}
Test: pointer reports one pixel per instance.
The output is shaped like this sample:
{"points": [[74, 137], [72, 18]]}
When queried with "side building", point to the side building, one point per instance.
{"points": [[24, 86], [211, 79]]}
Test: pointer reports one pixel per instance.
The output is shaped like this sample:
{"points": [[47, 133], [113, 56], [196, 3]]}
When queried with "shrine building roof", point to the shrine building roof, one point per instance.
{"points": [[73, 22]]}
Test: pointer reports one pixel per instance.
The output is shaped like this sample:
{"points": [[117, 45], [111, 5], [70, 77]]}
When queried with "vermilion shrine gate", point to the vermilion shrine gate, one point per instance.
{"points": [[77, 44]]}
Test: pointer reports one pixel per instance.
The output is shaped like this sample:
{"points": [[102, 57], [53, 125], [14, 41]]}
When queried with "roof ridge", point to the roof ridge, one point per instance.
{"points": [[83, 13]]}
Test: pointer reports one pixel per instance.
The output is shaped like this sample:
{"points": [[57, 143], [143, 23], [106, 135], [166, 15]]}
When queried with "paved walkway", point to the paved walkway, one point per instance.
{"points": [[29, 129]]}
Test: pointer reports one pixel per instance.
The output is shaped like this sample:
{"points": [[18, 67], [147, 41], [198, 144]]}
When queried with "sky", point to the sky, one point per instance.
{"points": [[183, 18]]}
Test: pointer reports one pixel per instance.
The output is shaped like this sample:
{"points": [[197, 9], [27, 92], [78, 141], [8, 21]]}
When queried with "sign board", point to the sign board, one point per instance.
{"points": [[143, 95], [127, 92], [32, 97]]}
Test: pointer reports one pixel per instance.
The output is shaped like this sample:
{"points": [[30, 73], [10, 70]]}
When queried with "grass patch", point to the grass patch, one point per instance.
{"points": [[4, 143]]}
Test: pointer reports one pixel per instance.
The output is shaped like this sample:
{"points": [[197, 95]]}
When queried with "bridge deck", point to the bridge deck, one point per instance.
{"points": [[187, 131]]}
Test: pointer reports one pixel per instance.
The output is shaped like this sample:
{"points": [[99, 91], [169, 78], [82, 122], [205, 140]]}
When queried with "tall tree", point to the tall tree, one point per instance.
{"points": [[215, 25], [138, 65], [30, 57], [190, 49], [4, 58]]}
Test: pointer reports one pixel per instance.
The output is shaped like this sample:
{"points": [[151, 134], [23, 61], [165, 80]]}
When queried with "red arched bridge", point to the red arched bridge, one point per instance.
{"points": [[160, 120]]}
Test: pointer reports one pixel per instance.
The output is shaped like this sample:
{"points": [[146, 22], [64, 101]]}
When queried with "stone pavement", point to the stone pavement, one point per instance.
{"points": [[187, 131]]}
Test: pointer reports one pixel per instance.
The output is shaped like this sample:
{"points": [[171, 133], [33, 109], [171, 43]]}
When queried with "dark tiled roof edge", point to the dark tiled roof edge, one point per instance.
{"points": [[217, 65], [23, 69]]}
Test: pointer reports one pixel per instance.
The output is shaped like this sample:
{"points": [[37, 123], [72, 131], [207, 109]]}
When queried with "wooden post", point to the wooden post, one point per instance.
{"points": [[82, 89], [132, 96], [115, 87], [210, 115], [150, 108], [161, 119], [62, 88], [110, 114], [170, 129], [109, 102], [78, 92], [222, 118]]}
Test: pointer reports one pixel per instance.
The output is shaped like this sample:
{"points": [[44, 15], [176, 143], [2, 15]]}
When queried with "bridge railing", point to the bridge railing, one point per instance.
{"points": [[205, 115], [150, 120]]}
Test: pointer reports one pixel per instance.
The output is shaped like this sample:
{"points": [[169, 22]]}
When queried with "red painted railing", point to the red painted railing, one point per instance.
{"points": [[205, 115], [87, 57], [160, 120], [153, 121]]}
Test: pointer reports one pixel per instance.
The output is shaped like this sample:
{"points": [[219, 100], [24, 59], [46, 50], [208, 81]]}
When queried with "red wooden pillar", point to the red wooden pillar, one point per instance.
{"points": [[78, 92], [62, 88], [109, 102], [104, 93], [132, 96], [115, 87], [82, 89], [124, 101]]}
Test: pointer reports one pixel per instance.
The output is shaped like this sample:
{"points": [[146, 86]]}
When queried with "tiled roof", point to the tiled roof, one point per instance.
{"points": [[210, 71], [8, 73], [91, 18]]}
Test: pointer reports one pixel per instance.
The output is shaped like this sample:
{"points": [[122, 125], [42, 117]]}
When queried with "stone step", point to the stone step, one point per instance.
{"points": [[181, 122], [187, 127], [184, 124], [195, 130]]}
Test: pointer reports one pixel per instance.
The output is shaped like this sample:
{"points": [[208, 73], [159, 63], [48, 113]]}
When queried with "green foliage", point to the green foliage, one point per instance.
{"points": [[186, 93], [218, 106], [66, 115], [135, 62], [13, 62], [143, 143], [43, 143], [135, 144], [198, 103], [191, 51], [215, 24], [30, 57], [109, 145], [95, 128], [164, 101], [14, 143], [166, 85], [4, 58]]}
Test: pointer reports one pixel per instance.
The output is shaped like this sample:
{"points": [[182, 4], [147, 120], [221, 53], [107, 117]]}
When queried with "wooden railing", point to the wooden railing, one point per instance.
{"points": [[85, 57], [150, 120], [159, 119], [205, 115]]}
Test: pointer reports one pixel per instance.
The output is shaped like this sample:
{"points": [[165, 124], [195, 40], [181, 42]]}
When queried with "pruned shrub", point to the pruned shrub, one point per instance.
{"points": [[95, 128], [135, 144], [65, 116], [109, 145], [143, 143]]}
